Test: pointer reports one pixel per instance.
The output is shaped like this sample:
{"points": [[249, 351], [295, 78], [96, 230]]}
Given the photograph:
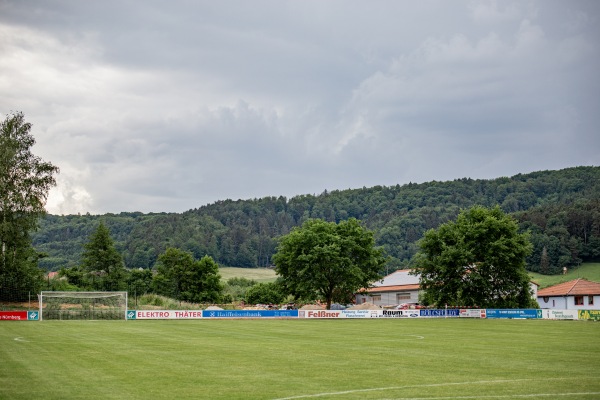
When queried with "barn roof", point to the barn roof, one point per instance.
{"points": [[399, 277], [400, 280], [576, 287]]}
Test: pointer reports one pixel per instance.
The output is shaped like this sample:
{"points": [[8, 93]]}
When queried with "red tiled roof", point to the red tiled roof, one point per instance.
{"points": [[578, 287]]}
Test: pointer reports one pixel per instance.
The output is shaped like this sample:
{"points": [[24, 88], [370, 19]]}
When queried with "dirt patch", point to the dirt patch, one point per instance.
{"points": [[312, 307], [25, 305]]}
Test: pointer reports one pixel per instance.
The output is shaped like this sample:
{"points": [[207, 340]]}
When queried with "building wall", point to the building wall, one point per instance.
{"points": [[389, 298], [568, 303], [534, 289]]}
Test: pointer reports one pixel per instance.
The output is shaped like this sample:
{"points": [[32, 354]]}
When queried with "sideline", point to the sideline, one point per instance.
{"points": [[308, 396], [501, 396]]}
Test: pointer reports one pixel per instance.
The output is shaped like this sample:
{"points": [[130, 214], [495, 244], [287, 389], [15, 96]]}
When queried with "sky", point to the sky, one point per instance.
{"points": [[165, 106]]}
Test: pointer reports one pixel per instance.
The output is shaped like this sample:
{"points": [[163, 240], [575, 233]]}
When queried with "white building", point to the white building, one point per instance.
{"points": [[401, 287], [396, 288], [578, 294]]}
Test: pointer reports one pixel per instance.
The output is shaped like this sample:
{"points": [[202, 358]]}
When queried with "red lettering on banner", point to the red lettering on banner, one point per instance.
{"points": [[178, 314], [323, 314], [188, 314]]}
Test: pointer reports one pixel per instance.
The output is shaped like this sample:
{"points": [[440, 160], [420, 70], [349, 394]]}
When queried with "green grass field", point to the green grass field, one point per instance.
{"points": [[589, 271], [300, 359]]}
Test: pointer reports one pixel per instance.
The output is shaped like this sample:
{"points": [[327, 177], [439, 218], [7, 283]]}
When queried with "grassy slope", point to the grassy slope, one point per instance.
{"points": [[258, 274], [254, 359], [589, 271]]}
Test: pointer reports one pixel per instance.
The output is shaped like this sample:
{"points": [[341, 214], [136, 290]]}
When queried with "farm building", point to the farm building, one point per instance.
{"points": [[578, 294], [397, 288]]}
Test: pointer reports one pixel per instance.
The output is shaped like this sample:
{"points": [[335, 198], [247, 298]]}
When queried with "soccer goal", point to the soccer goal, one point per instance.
{"points": [[83, 305]]}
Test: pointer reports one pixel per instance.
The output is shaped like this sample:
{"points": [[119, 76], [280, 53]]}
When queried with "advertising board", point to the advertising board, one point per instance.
{"points": [[399, 314], [250, 314], [589, 314], [360, 313], [13, 315], [163, 314], [560, 314], [472, 313], [451, 312], [513, 313], [320, 313], [339, 313]]}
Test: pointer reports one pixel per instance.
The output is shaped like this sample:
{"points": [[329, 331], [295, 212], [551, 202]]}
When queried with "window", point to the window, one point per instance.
{"points": [[376, 297], [578, 300], [546, 298], [591, 300], [403, 296]]}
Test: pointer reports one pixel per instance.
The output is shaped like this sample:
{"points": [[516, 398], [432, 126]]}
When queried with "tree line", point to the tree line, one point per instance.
{"points": [[561, 210]]}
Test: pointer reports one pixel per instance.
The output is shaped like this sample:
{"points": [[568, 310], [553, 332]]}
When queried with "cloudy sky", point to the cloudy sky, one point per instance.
{"points": [[155, 105]]}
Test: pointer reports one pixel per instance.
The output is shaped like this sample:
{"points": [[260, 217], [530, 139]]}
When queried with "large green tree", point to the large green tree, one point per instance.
{"points": [[265, 293], [328, 261], [25, 181], [477, 260], [102, 261], [181, 277]]}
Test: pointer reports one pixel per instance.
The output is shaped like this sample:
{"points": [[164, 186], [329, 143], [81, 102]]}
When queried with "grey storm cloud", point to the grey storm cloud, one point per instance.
{"points": [[166, 106]]}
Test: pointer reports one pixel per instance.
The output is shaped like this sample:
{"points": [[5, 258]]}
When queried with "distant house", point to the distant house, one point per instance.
{"points": [[397, 288], [578, 294], [400, 287]]}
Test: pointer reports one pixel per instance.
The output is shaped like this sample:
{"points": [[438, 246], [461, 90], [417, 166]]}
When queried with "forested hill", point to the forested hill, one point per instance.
{"points": [[561, 209]]}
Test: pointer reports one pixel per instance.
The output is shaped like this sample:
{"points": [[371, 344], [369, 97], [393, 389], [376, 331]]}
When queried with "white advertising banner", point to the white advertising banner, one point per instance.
{"points": [[560, 314], [472, 313], [399, 314], [338, 313], [164, 314]]}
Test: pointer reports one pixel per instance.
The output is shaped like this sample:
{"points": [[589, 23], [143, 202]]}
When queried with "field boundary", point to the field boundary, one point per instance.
{"points": [[134, 315]]}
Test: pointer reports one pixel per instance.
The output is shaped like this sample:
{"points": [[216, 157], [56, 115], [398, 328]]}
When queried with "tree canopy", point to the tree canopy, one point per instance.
{"points": [[328, 261], [560, 208], [25, 180], [181, 277], [477, 260]]}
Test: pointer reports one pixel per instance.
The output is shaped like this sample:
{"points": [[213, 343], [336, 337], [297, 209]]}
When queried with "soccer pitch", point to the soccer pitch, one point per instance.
{"points": [[300, 359]]}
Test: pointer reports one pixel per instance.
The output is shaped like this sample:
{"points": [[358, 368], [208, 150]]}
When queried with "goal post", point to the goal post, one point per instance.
{"points": [[82, 305]]}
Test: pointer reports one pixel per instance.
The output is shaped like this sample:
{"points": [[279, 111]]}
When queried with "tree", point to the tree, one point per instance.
{"points": [[24, 184], [477, 260], [328, 261], [181, 277], [139, 282], [102, 261], [265, 293], [237, 287]]}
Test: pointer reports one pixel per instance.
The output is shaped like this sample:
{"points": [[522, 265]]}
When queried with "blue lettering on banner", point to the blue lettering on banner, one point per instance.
{"points": [[440, 313], [250, 314], [508, 313]]}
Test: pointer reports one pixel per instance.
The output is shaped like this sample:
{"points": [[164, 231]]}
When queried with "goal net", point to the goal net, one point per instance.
{"points": [[83, 305]]}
